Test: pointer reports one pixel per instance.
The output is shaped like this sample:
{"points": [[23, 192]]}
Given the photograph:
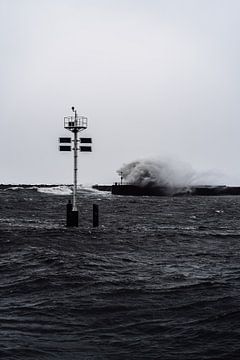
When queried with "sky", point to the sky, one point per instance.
{"points": [[156, 78]]}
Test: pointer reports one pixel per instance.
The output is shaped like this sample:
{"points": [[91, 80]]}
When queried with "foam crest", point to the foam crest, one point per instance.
{"points": [[56, 190]]}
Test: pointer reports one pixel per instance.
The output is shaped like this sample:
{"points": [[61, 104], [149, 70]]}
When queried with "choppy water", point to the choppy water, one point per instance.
{"points": [[159, 279]]}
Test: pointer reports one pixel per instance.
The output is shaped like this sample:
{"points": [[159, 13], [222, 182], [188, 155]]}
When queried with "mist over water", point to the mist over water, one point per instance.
{"points": [[167, 173]]}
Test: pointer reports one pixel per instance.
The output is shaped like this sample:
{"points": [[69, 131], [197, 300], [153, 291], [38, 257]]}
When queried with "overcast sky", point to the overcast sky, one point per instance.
{"points": [[156, 79]]}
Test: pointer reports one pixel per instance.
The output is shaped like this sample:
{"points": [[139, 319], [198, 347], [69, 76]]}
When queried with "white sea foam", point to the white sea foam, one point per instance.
{"points": [[56, 190], [89, 189], [15, 188]]}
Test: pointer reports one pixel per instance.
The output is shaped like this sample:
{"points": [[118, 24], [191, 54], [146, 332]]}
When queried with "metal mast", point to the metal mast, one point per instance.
{"points": [[75, 131], [75, 124]]}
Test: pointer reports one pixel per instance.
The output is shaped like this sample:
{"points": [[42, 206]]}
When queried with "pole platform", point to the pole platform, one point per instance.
{"points": [[74, 123]]}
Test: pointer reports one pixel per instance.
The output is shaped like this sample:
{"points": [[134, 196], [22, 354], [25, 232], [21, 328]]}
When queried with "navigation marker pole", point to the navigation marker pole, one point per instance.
{"points": [[75, 124], [75, 131]]}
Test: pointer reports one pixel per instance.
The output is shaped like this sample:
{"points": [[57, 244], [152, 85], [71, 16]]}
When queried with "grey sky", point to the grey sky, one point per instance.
{"points": [[155, 78]]}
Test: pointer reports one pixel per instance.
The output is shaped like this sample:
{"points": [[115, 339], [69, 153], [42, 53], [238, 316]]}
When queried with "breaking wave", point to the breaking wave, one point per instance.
{"points": [[56, 190], [167, 173]]}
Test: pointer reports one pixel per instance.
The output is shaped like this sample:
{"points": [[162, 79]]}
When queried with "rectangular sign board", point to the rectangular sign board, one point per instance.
{"points": [[86, 140], [85, 148], [65, 140], [65, 148]]}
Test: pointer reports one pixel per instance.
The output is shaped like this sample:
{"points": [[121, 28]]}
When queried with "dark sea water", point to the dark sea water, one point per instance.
{"points": [[159, 279]]}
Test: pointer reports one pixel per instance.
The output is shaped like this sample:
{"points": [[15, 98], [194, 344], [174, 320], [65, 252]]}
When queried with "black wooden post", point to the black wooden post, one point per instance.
{"points": [[95, 215]]}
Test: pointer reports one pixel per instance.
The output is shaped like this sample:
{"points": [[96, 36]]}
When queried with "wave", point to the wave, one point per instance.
{"points": [[56, 190], [17, 188]]}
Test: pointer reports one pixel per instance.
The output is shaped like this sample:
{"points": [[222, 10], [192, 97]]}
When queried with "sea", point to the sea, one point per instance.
{"points": [[158, 279]]}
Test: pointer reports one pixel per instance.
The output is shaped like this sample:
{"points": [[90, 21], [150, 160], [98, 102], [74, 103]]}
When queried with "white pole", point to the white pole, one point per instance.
{"points": [[75, 165]]}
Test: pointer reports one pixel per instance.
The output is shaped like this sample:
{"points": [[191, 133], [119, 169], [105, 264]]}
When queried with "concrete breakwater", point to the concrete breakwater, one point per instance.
{"points": [[136, 190]]}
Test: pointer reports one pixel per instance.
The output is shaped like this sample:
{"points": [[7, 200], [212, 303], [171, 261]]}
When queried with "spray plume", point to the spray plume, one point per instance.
{"points": [[167, 173]]}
